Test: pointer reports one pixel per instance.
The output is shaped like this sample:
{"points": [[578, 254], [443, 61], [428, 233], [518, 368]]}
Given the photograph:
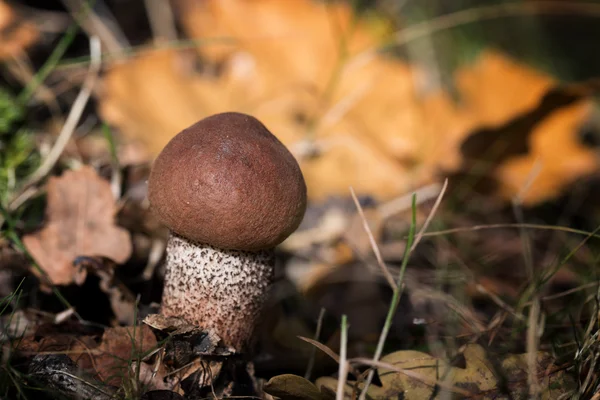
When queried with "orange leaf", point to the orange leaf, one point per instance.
{"points": [[308, 70]]}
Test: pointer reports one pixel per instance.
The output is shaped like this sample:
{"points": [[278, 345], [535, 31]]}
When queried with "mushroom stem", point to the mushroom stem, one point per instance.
{"points": [[216, 289]]}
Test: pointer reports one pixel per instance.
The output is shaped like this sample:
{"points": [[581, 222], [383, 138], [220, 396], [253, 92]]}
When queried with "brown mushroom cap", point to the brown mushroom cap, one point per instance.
{"points": [[228, 182]]}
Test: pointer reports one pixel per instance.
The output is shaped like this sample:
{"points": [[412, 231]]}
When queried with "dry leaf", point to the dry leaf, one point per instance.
{"points": [[351, 116], [79, 222], [118, 347], [556, 159], [415, 375], [15, 34], [525, 112], [285, 95], [151, 376], [293, 387]]}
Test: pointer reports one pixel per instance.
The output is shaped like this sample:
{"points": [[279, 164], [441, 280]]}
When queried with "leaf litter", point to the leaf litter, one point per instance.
{"points": [[416, 375]]}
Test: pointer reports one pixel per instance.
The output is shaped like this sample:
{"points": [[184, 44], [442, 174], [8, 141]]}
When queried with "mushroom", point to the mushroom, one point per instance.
{"points": [[229, 191]]}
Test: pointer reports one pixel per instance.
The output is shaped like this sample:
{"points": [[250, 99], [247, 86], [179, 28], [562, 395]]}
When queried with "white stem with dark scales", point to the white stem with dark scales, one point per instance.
{"points": [[217, 290]]}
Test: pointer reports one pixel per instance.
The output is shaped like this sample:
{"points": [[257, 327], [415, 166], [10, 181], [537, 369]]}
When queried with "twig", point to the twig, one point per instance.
{"points": [[343, 369], [73, 117], [384, 268]]}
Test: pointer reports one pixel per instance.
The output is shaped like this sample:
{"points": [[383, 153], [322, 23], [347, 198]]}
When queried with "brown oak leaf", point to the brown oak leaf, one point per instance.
{"points": [[80, 222]]}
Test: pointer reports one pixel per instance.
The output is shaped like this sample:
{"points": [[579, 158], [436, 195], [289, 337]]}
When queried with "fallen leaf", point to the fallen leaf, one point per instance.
{"points": [[79, 222], [118, 348], [556, 158], [352, 117], [16, 34], [285, 95], [416, 375], [293, 387]]}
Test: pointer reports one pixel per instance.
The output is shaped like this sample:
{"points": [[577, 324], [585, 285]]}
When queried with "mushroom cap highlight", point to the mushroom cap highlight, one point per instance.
{"points": [[228, 182]]}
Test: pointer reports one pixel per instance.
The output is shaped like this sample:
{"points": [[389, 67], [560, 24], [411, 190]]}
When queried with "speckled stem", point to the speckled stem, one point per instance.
{"points": [[219, 290]]}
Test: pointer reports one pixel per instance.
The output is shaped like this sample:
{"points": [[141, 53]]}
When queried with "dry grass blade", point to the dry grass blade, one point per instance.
{"points": [[411, 374], [311, 360], [380, 262], [499, 302], [533, 336], [329, 352], [436, 205], [343, 369], [534, 326], [398, 289], [73, 117], [477, 14], [517, 226], [403, 203], [568, 292], [322, 347]]}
